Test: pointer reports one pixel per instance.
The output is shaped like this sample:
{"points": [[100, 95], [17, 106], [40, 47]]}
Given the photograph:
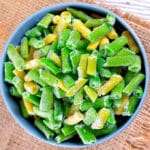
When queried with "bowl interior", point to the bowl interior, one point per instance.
{"points": [[16, 38]]}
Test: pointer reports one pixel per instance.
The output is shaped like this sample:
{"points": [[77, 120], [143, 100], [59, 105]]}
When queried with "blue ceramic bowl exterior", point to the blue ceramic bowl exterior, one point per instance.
{"points": [[15, 39]]}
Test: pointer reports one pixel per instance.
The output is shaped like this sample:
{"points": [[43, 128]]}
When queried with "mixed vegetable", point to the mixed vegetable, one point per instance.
{"points": [[74, 74]]}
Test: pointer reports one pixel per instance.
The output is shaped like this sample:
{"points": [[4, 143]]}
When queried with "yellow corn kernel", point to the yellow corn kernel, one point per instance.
{"points": [[55, 58], [32, 64], [28, 106], [109, 85], [50, 38], [83, 65], [112, 34], [79, 26], [131, 43], [56, 19], [63, 23], [92, 46], [74, 89], [75, 118], [31, 87], [91, 93], [103, 115], [73, 109], [62, 85], [104, 41], [31, 53], [91, 65], [119, 110], [20, 74]]}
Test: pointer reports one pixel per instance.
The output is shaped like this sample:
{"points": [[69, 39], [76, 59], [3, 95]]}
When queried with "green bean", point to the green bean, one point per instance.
{"points": [[19, 84], [116, 92], [9, 67], [47, 63], [44, 50], [35, 76], [82, 44], [63, 37], [46, 20], [15, 57], [94, 22], [66, 64], [73, 40], [85, 134], [131, 106], [128, 90], [66, 107], [36, 43], [94, 82], [78, 98], [41, 126], [138, 92], [112, 48], [110, 19], [23, 109], [24, 48], [61, 138], [104, 72], [46, 102], [99, 32], [79, 14], [129, 75], [75, 59], [39, 93], [13, 91], [48, 78], [125, 52], [59, 93], [31, 98], [34, 32], [46, 32], [68, 130], [90, 116], [53, 46], [111, 119]]}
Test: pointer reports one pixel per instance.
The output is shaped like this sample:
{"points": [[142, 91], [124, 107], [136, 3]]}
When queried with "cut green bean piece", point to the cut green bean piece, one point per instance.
{"points": [[79, 14], [16, 59], [46, 32], [46, 102], [138, 92], [78, 98], [58, 110], [75, 59], [90, 116], [110, 19], [59, 93], [73, 40], [129, 75], [39, 93], [85, 105], [19, 84], [35, 76], [9, 67], [131, 106], [104, 72], [66, 107], [66, 64], [61, 138], [24, 48], [42, 114], [119, 61], [63, 37], [111, 119], [90, 23], [82, 44], [47, 63], [53, 46], [116, 92], [34, 32], [46, 20], [85, 134], [68, 130], [100, 32], [45, 130], [112, 48], [14, 92], [128, 90], [44, 50], [48, 78], [23, 109], [125, 52], [36, 43], [94, 82], [117, 103]]}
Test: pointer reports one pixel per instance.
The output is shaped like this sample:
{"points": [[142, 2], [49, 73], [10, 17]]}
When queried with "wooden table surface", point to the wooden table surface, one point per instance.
{"points": [[139, 7]]}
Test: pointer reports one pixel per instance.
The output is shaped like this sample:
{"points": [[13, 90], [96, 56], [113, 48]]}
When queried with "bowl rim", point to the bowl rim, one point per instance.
{"points": [[86, 6]]}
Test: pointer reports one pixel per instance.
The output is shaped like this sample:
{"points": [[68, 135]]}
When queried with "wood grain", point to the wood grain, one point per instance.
{"points": [[139, 7]]}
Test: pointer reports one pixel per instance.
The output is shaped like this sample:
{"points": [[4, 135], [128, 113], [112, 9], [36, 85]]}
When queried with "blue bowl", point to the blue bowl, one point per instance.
{"points": [[15, 39]]}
